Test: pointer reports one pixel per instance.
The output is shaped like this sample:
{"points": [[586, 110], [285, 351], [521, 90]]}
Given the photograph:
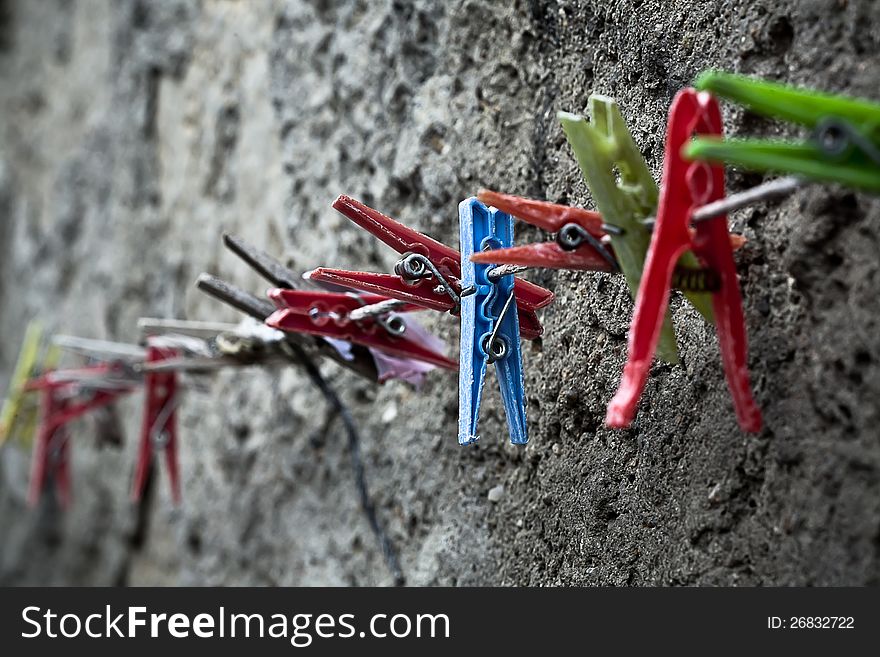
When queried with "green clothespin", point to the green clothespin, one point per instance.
{"points": [[20, 411], [844, 146], [602, 148]]}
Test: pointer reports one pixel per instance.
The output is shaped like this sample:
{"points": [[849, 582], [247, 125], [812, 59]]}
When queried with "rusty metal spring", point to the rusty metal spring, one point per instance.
{"points": [[691, 279]]}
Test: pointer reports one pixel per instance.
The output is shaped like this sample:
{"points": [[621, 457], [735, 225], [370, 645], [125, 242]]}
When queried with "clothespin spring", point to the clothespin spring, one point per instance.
{"points": [[835, 137], [159, 436], [572, 236], [395, 326], [379, 312], [495, 347], [413, 267]]}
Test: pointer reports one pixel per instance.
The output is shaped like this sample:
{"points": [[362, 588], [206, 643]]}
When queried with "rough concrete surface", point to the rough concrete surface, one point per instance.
{"points": [[132, 133]]}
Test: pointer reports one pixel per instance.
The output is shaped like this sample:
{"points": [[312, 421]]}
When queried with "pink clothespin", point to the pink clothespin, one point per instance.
{"points": [[159, 426]]}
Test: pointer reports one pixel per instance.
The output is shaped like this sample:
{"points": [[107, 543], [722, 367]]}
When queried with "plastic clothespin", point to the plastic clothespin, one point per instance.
{"points": [[844, 146], [580, 236], [605, 148], [686, 186], [489, 325], [20, 413], [60, 404], [159, 424], [327, 314], [51, 452], [580, 244], [429, 274]]}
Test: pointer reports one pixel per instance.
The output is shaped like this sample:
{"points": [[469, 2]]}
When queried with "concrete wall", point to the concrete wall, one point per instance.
{"points": [[132, 133]]}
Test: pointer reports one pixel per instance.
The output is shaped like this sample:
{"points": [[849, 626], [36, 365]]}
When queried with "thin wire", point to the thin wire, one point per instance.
{"points": [[777, 188], [505, 270], [375, 309], [389, 553], [158, 434], [493, 336]]}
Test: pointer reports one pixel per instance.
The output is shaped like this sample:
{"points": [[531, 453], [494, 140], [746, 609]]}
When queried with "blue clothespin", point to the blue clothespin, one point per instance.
{"points": [[489, 324]]}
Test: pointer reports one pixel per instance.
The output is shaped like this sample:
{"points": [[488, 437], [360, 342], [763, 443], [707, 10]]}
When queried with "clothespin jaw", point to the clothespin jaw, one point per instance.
{"points": [[686, 186], [489, 325], [307, 301], [603, 148], [581, 228], [159, 424], [844, 146], [399, 237], [327, 314]]}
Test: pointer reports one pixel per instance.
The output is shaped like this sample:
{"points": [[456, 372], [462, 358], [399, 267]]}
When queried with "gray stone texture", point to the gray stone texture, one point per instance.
{"points": [[132, 133]]}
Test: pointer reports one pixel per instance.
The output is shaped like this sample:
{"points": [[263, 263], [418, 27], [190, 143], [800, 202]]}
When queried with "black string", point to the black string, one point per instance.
{"points": [[260, 309], [354, 449]]}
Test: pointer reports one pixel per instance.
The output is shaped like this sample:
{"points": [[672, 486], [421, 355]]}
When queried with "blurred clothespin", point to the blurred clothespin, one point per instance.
{"points": [[20, 412], [428, 275], [206, 346], [100, 350], [65, 396], [844, 145], [357, 359], [687, 186], [159, 423], [490, 331], [581, 243], [604, 147]]}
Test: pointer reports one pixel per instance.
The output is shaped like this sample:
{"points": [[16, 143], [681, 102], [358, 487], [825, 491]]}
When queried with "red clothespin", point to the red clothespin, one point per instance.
{"points": [[329, 314], [581, 236], [159, 426], [51, 452], [429, 273], [686, 186], [59, 405]]}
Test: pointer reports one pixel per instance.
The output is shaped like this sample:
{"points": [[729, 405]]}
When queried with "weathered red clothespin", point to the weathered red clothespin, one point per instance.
{"points": [[51, 449], [686, 186], [159, 425], [60, 404], [329, 314], [429, 273], [580, 236], [581, 241]]}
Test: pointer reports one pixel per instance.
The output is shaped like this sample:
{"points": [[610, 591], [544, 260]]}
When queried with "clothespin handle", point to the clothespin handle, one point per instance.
{"points": [[159, 425], [51, 450]]}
